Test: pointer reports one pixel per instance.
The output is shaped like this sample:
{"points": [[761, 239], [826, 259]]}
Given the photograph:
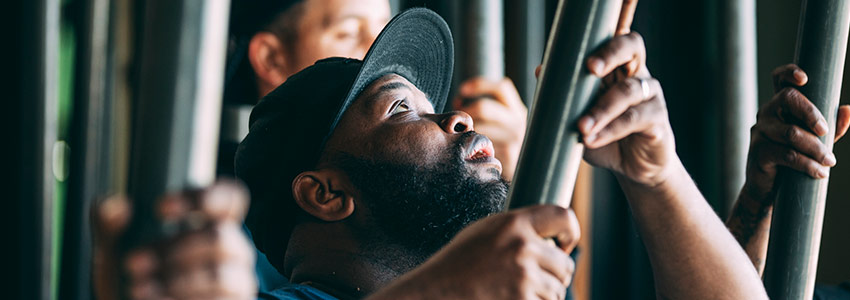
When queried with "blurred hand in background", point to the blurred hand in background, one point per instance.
{"points": [[204, 253]]}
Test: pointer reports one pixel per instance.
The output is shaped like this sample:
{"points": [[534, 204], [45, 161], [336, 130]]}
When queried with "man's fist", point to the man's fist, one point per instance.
{"points": [[203, 253], [505, 256]]}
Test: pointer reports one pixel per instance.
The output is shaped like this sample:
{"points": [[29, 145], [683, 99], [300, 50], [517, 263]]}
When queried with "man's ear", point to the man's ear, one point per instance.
{"points": [[268, 57], [325, 194]]}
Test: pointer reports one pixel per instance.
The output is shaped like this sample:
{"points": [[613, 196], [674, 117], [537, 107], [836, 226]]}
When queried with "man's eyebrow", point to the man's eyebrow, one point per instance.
{"points": [[391, 86]]}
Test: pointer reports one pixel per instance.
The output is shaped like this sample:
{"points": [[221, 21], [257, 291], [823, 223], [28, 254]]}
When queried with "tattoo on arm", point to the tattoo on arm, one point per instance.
{"points": [[747, 221]]}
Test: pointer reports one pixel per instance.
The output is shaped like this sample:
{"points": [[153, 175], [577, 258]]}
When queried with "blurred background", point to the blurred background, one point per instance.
{"points": [[74, 70]]}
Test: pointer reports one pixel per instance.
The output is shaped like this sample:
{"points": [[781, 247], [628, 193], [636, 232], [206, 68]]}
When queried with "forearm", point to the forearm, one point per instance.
{"points": [[749, 223], [692, 254]]}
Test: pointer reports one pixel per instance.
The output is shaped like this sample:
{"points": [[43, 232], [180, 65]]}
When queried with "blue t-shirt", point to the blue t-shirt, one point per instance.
{"points": [[292, 291]]}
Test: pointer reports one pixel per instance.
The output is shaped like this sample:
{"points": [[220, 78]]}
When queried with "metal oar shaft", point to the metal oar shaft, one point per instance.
{"points": [[798, 210], [551, 152]]}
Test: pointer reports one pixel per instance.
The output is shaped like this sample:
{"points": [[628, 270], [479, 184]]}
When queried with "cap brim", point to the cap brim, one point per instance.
{"points": [[417, 45]]}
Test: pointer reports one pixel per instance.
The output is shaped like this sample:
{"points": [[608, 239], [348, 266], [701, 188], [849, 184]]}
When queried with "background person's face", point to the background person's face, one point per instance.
{"points": [[344, 28]]}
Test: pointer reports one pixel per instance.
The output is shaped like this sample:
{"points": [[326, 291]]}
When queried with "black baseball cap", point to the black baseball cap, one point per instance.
{"points": [[289, 127]]}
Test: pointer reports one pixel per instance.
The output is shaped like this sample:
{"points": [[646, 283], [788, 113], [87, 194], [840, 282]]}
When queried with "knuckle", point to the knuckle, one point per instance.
{"points": [[811, 111], [655, 84], [788, 94], [790, 156], [513, 222], [560, 212], [631, 115], [629, 87], [654, 133], [574, 235], [635, 37], [519, 248], [791, 133]]}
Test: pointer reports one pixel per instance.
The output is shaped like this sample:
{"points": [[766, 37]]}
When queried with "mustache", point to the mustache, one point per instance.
{"points": [[456, 150]]}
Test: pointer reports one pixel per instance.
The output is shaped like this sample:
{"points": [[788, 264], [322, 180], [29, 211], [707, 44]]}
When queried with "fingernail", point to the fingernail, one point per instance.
{"points": [[586, 124], [829, 160], [822, 172], [821, 128], [595, 65], [800, 76]]}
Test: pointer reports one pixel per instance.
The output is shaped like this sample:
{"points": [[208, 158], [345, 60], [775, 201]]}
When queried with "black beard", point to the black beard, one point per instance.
{"points": [[421, 208]]}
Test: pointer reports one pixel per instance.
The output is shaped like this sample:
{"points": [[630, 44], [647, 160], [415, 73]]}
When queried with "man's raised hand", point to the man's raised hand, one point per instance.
{"points": [[786, 134], [627, 129]]}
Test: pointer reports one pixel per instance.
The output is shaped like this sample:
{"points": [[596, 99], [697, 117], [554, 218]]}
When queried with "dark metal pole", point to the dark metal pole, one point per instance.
{"points": [[483, 39], [90, 144], [798, 211], [551, 152], [30, 121], [178, 103], [738, 94], [525, 38]]}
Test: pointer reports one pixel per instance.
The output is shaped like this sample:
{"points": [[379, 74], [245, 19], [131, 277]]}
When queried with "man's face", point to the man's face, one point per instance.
{"points": [[393, 121], [344, 28], [422, 176]]}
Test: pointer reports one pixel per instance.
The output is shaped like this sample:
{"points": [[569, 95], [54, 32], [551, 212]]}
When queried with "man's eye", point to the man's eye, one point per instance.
{"points": [[345, 35], [400, 108]]}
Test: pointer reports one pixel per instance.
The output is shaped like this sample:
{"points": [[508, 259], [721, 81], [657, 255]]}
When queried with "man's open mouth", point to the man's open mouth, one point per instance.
{"points": [[478, 149]]}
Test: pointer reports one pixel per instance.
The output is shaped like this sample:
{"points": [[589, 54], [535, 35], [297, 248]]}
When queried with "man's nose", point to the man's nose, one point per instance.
{"points": [[456, 122]]}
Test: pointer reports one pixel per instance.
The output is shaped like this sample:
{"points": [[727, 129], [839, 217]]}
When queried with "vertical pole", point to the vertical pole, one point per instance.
{"points": [[551, 153], [798, 211], [30, 120], [738, 93], [178, 103], [525, 38], [483, 42], [90, 143]]}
